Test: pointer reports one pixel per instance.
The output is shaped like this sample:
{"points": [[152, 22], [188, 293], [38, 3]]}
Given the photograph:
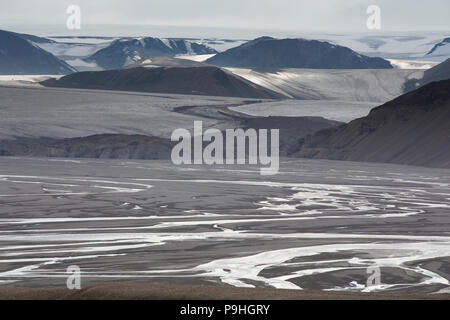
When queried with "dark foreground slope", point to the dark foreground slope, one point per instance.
{"points": [[413, 129], [210, 81], [164, 291], [19, 56], [267, 52]]}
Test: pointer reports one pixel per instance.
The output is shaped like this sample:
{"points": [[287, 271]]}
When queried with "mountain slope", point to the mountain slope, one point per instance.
{"points": [[413, 129], [124, 52], [190, 80], [437, 73], [292, 129], [19, 56], [267, 52]]}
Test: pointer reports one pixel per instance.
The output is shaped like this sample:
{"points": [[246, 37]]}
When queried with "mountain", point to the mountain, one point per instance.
{"points": [[207, 80], [33, 38], [413, 129], [267, 52], [20, 56], [437, 73], [441, 49], [123, 52]]}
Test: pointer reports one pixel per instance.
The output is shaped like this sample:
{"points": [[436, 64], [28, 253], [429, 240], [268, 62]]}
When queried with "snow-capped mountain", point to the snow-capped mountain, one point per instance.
{"points": [[20, 56], [388, 45], [441, 49], [267, 52], [124, 52]]}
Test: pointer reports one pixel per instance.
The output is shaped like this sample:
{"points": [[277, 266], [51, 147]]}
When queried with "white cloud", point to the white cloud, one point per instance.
{"points": [[302, 15]]}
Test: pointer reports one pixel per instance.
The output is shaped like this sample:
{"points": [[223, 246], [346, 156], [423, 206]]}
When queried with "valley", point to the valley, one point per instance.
{"points": [[87, 177], [317, 225]]}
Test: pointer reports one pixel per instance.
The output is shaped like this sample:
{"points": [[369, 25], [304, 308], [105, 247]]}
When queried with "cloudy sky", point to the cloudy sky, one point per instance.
{"points": [[210, 15]]}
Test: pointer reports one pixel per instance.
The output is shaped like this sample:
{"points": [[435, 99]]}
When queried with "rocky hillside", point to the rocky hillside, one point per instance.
{"points": [[437, 73], [20, 56], [208, 80], [413, 129], [267, 52], [106, 146], [124, 52]]}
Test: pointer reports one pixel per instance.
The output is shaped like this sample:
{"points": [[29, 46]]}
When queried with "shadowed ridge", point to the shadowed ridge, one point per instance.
{"points": [[267, 52], [206, 80], [413, 129]]}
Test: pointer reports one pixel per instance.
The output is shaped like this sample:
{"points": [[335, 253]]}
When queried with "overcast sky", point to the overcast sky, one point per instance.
{"points": [[291, 15]]}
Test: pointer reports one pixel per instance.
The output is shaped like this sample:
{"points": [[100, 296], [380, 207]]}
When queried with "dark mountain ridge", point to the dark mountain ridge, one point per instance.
{"points": [[206, 80], [267, 52], [413, 129], [20, 56]]}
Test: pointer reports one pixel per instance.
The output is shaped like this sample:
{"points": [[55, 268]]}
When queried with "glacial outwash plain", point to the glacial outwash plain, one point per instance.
{"points": [[87, 177]]}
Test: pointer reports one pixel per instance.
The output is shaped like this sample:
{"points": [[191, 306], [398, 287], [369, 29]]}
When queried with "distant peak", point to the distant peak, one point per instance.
{"points": [[263, 38]]}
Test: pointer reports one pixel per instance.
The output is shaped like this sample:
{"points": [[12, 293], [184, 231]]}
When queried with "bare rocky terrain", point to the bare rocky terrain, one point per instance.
{"points": [[122, 290], [19, 56], [268, 52], [413, 129], [437, 73]]}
